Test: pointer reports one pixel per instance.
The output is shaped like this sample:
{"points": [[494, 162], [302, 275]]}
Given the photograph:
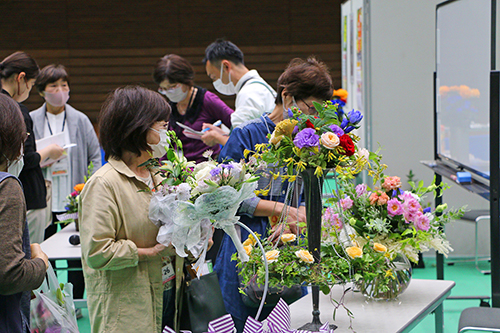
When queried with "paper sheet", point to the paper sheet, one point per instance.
{"points": [[59, 139]]}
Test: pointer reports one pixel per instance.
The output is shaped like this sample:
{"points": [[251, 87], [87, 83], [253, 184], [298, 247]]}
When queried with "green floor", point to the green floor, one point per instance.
{"points": [[469, 282]]}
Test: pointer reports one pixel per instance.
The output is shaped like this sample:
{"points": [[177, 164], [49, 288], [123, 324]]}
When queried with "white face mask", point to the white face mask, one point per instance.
{"points": [[17, 166], [175, 95], [225, 89], [58, 99], [159, 148]]}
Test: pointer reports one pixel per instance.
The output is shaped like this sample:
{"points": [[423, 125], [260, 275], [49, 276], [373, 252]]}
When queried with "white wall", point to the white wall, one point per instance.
{"points": [[402, 65]]}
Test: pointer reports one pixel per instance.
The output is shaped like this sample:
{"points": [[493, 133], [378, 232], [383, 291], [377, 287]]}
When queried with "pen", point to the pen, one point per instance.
{"points": [[217, 123]]}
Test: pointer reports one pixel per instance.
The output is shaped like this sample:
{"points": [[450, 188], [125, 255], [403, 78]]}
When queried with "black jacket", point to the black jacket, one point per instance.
{"points": [[31, 176]]}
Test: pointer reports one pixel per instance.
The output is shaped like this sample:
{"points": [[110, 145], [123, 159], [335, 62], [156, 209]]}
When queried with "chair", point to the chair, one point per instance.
{"points": [[475, 216], [481, 319]]}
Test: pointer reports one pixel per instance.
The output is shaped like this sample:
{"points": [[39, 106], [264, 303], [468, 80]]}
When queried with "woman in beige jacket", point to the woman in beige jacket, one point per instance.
{"points": [[120, 255]]}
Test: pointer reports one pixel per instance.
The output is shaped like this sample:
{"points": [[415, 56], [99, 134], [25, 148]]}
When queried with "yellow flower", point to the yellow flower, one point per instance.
{"points": [[272, 256], [249, 242], [78, 187], [318, 172], [289, 161], [296, 151], [305, 256], [285, 127], [291, 179], [276, 139], [354, 252], [246, 152], [380, 248], [388, 273], [301, 166], [286, 238], [248, 249]]}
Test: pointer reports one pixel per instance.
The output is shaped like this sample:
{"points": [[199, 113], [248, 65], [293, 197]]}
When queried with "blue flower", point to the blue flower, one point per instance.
{"points": [[344, 123], [215, 172], [354, 117], [290, 113], [427, 210], [348, 129], [340, 102]]}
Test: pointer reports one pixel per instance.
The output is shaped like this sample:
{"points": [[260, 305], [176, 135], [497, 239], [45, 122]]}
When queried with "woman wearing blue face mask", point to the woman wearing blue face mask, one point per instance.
{"points": [[191, 105], [121, 259], [22, 267]]}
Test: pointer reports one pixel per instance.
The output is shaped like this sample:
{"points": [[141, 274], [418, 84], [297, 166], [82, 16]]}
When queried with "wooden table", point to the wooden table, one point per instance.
{"points": [[421, 298]]}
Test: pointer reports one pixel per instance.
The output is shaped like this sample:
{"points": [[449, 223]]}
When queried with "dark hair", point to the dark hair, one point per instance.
{"points": [[50, 74], [12, 129], [19, 62], [175, 69], [305, 78], [125, 118], [223, 50]]}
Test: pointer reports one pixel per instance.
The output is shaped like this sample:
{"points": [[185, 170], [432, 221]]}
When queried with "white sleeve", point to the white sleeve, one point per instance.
{"points": [[252, 101]]}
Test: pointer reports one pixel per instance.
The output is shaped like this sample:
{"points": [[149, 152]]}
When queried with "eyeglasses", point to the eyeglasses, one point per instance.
{"points": [[312, 109], [169, 87]]}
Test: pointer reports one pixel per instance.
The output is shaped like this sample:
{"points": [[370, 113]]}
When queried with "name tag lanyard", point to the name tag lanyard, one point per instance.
{"points": [[48, 123]]}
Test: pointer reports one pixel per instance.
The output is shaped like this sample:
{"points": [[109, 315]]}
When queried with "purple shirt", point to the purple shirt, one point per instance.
{"points": [[206, 108]]}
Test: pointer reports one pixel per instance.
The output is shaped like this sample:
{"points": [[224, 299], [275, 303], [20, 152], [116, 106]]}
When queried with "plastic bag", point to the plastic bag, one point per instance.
{"points": [[53, 309]]}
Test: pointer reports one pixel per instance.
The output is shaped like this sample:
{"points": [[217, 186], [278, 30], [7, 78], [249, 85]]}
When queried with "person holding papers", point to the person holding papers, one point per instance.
{"points": [[191, 105], [18, 73], [72, 130]]}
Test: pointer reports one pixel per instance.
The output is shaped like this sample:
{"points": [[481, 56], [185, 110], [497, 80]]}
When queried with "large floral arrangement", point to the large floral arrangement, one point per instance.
{"points": [[321, 141], [193, 198]]}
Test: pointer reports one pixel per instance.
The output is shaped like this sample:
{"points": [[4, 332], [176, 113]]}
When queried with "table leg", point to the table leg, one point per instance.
{"points": [[439, 320]]}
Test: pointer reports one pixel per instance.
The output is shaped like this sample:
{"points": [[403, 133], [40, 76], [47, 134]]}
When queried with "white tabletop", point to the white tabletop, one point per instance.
{"points": [[58, 247], [421, 298]]}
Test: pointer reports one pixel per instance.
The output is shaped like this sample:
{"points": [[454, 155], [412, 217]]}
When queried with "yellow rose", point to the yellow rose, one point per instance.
{"points": [[330, 140], [248, 249], [354, 252], [305, 256], [276, 139], [249, 242], [286, 126], [286, 238], [380, 248], [272, 255]]}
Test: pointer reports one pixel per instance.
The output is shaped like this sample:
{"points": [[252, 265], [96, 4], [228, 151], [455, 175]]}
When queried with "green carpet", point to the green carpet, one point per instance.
{"points": [[469, 282]]}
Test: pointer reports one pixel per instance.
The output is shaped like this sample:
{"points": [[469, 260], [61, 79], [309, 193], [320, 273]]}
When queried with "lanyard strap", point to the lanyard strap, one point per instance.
{"points": [[48, 123]]}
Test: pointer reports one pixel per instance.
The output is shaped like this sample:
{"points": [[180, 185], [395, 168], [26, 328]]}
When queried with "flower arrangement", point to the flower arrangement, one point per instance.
{"points": [[193, 198], [73, 200], [391, 216], [321, 141]]}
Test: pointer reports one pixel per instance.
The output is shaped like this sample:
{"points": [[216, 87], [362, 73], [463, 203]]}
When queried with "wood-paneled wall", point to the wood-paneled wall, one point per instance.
{"points": [[107, 44]]}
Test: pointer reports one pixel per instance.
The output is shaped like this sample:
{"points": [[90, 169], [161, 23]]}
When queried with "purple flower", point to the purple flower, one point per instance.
{"points": [[427, 210], [337, 130], [290, 113], [295, 130], [349, 129], [306, 138], [344, 123], [215, 172], [227, 166], [354, 117], [361, 189]]}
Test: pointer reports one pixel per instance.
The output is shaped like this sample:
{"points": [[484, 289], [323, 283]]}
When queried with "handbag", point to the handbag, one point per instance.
{"points": [[53, 309], [202, 301], [253, 292]]}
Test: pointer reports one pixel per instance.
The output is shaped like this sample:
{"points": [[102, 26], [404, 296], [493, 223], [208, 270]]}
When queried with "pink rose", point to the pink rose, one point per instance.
{"points": [[394, 207], [346, 203], [422, 222], [361, 189], [329, 140], [391, 183]]}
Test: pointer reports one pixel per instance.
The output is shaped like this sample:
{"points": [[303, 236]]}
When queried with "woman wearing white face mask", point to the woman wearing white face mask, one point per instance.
{"points": [[18, 73], [22, 267], [56, 116], [121, 258], [191, 105]]}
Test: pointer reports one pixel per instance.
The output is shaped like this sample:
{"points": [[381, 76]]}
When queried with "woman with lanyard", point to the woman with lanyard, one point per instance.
{"points": [[191, 105], [54, 117], [18, 73]]}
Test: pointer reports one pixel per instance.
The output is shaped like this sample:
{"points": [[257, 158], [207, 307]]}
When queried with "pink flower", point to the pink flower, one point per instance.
{"points": [[361, 189], [422, 222], [411, 205], [382, 199], [391, 183], [409, 216], [379, 198], [394, 207], [346, 203], [74, 194], [373, 198], [332, 218]]}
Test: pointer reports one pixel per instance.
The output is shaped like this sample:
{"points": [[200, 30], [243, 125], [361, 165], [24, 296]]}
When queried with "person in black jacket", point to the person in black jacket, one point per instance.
{"points": [[18, 73]]}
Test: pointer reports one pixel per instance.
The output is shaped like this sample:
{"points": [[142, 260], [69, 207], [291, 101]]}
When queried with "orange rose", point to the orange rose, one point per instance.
{"points": [[380, 248], [78, 187], [341, 93], [286, 238], [248, 249], [272, 256], [354, 252], [305, 256]]}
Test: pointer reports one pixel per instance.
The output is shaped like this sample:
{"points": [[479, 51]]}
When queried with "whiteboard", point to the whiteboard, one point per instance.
{"points": [[463, 65]]}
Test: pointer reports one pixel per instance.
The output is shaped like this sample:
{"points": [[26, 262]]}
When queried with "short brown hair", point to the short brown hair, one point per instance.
{"points": [[19, 62], [305, 78], [12, 129], [175, 69], [50, 74], [125, 118]]}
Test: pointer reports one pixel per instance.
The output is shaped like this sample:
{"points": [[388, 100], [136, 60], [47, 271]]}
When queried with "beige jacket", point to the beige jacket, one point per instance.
{"points": [[123, 293]]}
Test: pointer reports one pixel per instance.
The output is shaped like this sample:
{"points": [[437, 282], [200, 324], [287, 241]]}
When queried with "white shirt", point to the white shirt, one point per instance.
{"points": [[254, 97]]}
